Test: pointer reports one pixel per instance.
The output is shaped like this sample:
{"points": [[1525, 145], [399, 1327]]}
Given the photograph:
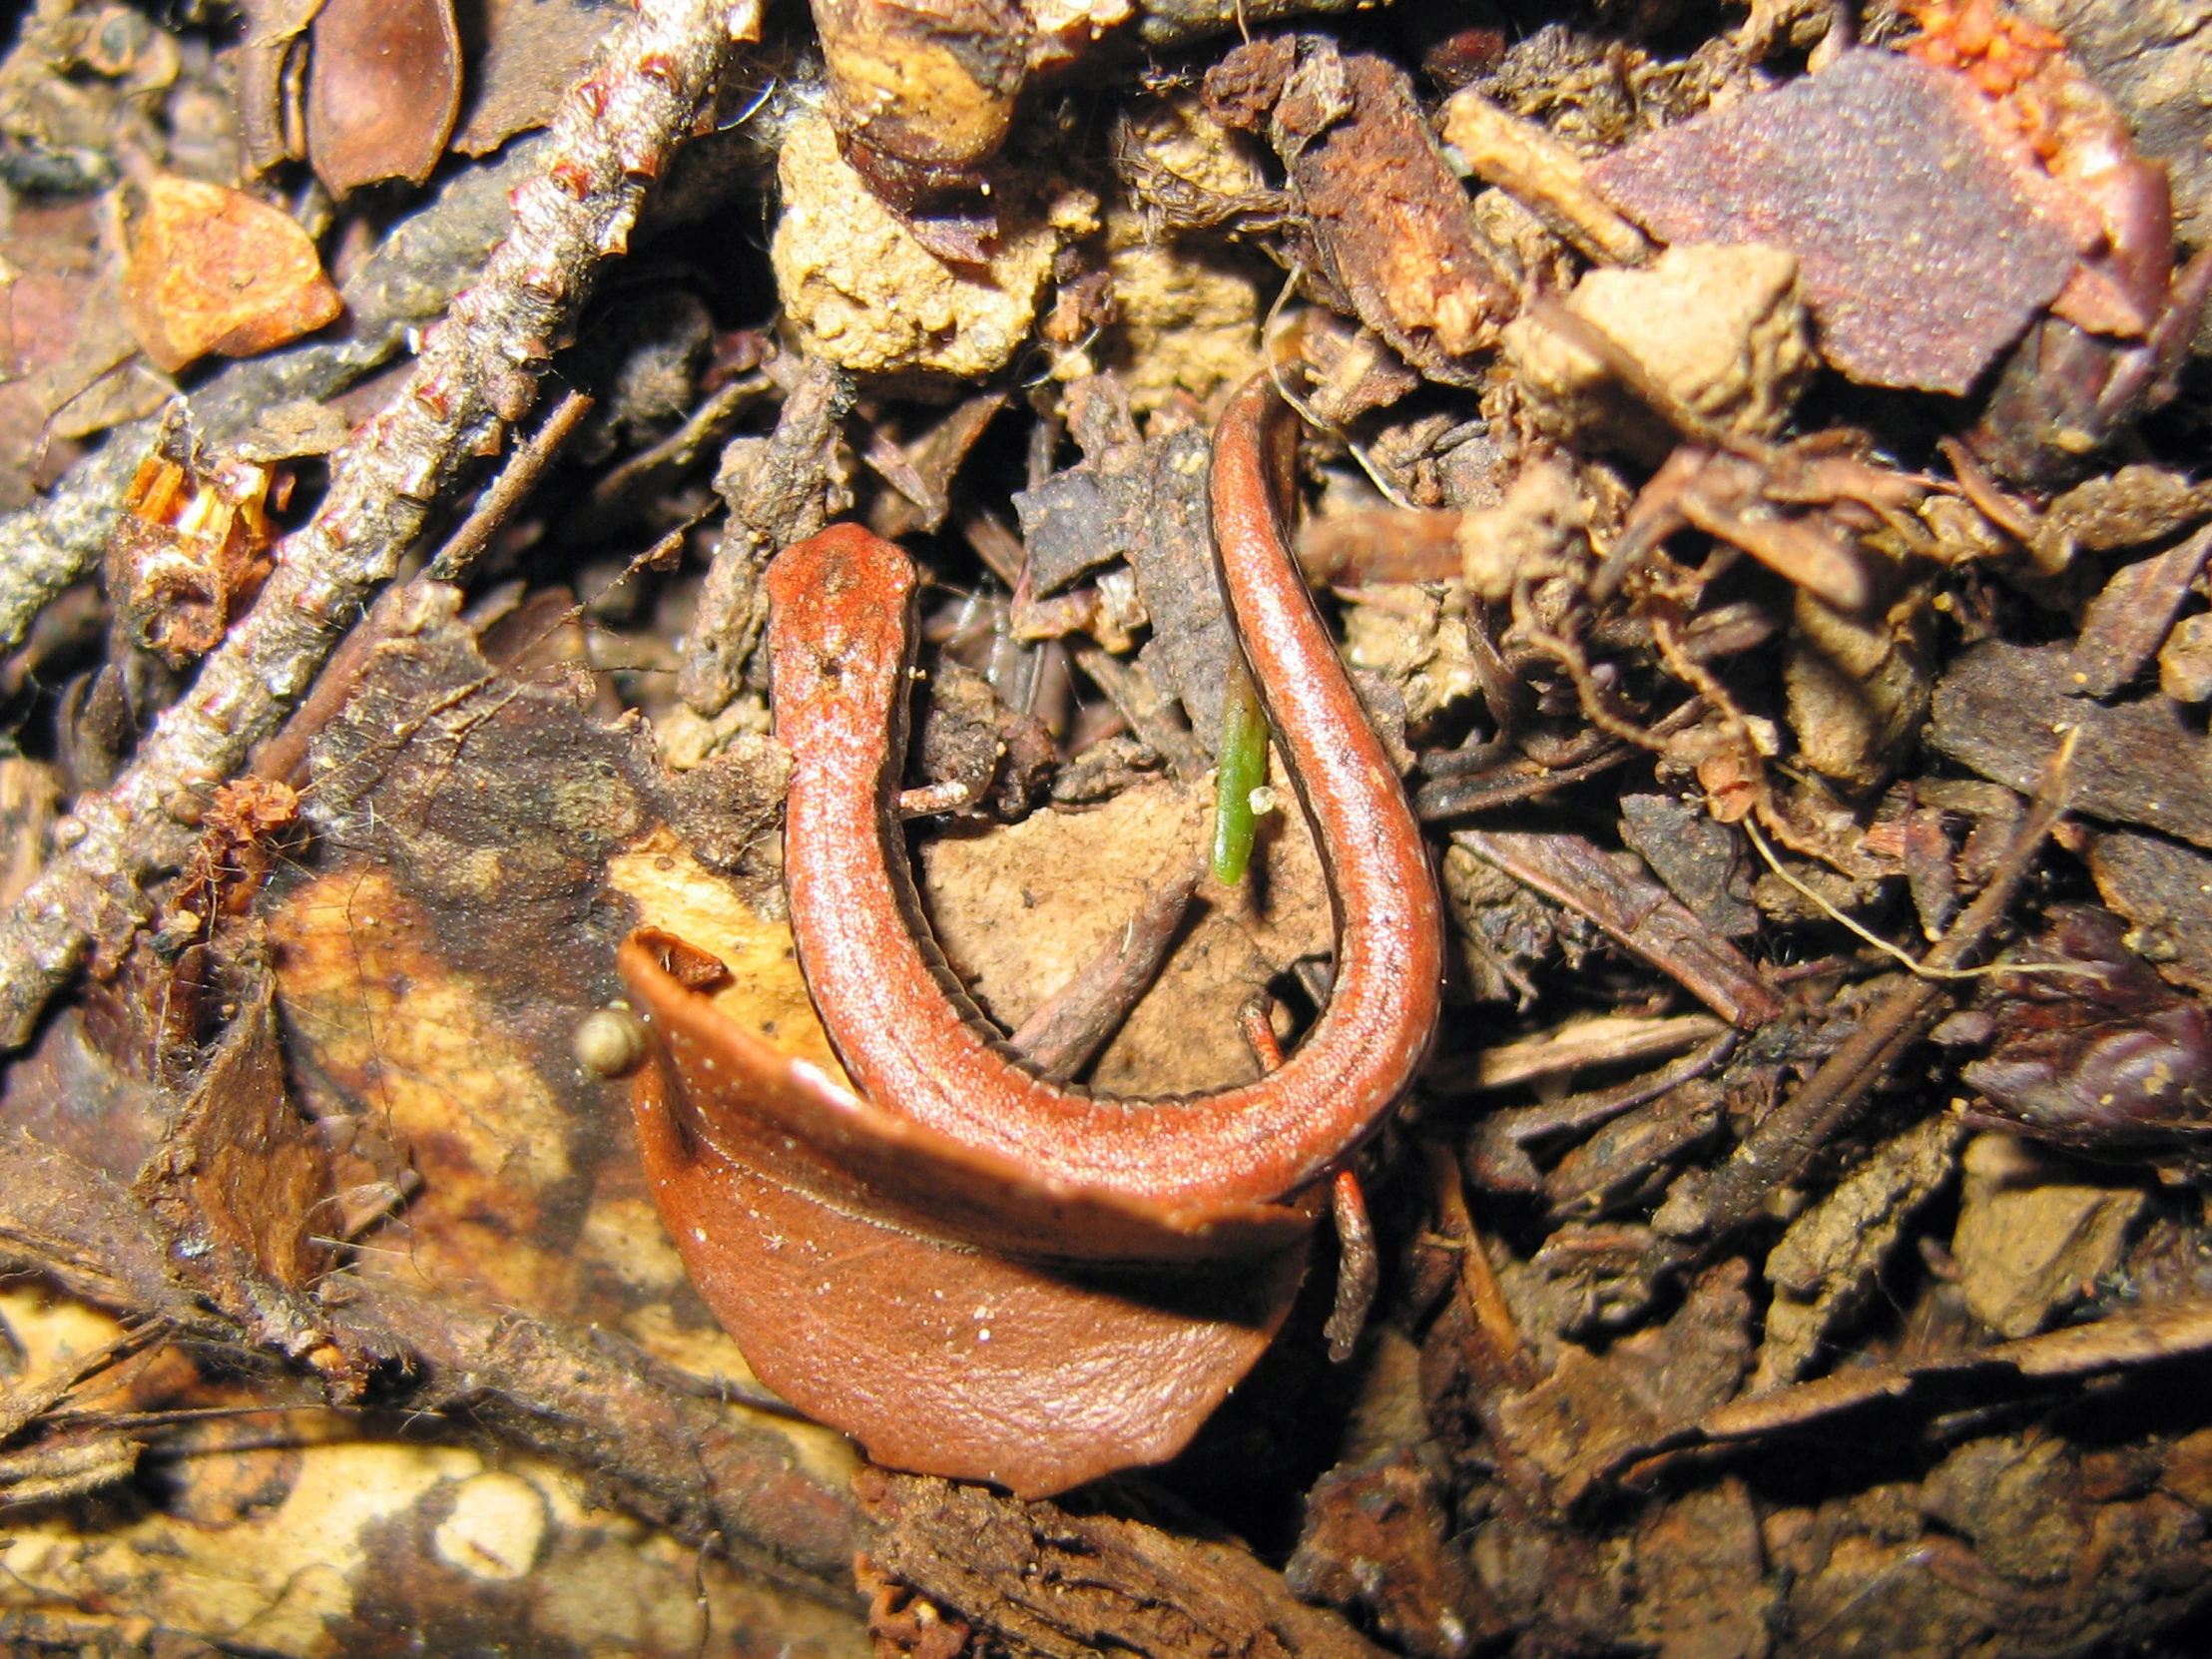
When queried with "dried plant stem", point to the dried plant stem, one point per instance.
{"points": [[510, 490], [479, 371], [781, 501], [1778, 1150]]}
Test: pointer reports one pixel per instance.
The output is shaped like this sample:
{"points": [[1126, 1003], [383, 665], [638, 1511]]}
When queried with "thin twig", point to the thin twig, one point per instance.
{"points": [[479, 371], [508, 491], [1897, 953], [1784, 1144], [779, 502]]}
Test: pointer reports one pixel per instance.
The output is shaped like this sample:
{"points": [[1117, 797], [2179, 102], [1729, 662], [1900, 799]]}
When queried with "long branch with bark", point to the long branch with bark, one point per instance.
{"points": [[417, 269], [478, 373]]}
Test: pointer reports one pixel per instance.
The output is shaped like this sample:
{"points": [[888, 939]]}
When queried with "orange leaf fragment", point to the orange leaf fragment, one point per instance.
{"points": [[213, 270]]}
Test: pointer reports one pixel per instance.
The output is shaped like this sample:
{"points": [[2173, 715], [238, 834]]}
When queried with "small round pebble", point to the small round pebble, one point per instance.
{"points": [[609, 1042]]}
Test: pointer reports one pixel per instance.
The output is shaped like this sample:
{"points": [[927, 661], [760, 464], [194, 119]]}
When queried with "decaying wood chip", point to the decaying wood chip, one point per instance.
{"points": [[1595, 1411], [1703, 862], [1628, 1162], [776, 497], [1608, 1041], [1053, 1583], [1830, 1258], [1998, 705], [1376, 1537], [2129, 620], [2161, 887], [1385, 226]]}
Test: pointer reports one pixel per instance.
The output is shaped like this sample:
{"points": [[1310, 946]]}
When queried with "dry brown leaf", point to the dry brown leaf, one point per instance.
{"points": [[383, 87], [213, 270]]}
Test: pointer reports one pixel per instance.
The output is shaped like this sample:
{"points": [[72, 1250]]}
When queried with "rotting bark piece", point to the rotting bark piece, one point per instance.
{"points": [[1635, 910], [1703, 862], [61, 1216], [1146, 503], [1376, 1537], [1385, 227], [1578, 1422], [2147, 763], [1496, 1157], [383, 87], [777, 492], [1917, 253], [2131, 619], [2165, 891], [1832, 1256], [1705, 1591], [1192, 637], [1626, 1164], [1079, 520], [1055, 1584]]}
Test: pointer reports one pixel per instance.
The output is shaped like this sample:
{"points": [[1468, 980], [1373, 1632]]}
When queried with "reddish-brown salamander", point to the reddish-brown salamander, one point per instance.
{"points": [[841, 643]]}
